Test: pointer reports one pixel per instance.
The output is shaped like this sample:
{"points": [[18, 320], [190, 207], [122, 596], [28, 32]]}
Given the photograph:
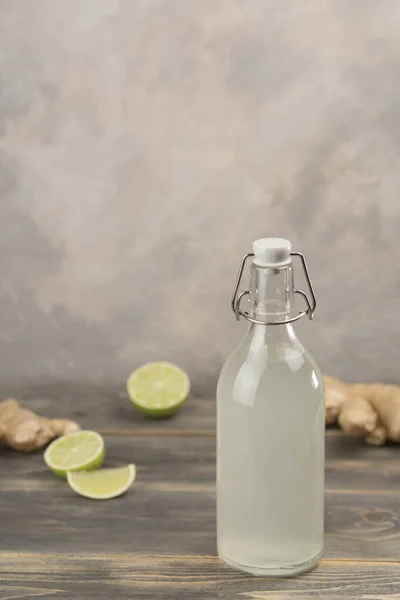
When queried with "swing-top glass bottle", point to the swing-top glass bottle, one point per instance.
{"points": [[270, 434]]}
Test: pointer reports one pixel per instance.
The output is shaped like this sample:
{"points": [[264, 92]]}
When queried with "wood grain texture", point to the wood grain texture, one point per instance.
{"points": [[191, 460], [109, 410], [178, 519], [159, 539], [124, 576], [171, 508]]}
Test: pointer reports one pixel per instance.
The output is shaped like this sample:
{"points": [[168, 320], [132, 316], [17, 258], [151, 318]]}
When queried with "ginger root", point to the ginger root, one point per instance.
{"points": [[24, 430], [367, 410]]}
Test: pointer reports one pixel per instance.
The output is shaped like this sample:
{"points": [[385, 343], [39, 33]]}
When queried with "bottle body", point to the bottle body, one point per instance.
{"points": [[270, 455]]}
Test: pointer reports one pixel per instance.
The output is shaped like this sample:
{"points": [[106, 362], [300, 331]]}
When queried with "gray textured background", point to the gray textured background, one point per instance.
{"points": [[145, 143]]}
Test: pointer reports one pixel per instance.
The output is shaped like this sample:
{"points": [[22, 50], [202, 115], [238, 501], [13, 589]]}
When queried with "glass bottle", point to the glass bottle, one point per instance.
{"points": [[270, 432]]}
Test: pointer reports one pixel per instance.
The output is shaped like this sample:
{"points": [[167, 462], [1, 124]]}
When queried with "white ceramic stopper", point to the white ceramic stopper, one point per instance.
{"points": [[272, 252]]}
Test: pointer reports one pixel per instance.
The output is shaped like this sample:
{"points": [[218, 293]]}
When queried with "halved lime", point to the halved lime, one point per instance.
{"points": [[158, 389], [82, 450], [102, 484]]}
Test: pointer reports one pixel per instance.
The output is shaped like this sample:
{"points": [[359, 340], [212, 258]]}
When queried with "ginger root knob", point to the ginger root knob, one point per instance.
{"points": [[367, 410], [26, 431]]}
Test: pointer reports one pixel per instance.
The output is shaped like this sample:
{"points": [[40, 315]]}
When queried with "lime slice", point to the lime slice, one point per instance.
{"points": [[158, 389], [102, 484], [82, 450]]}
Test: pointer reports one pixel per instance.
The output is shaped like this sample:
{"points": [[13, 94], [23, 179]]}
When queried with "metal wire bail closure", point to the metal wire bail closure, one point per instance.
{"points": [[236, 298]]}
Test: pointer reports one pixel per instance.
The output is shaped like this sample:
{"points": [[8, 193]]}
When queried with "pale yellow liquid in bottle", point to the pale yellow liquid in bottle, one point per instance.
{"points": [[270, 455]]}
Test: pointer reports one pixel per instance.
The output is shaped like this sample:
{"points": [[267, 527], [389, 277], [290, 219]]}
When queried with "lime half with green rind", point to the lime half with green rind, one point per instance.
{"points": [[78, 451], [158, 389]]}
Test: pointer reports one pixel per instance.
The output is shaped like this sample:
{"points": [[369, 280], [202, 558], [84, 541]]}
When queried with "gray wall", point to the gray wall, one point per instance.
{"points": [[145, 143]]}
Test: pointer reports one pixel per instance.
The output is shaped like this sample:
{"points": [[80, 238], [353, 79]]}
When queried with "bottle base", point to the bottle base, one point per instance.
{"points": [[286, 570]]}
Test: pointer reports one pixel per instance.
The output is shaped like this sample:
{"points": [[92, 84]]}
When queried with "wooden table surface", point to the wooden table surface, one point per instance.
{"points": [[158, 541]]}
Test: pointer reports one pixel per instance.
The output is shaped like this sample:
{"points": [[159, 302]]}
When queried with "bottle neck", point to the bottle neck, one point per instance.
{"points": [[271, 294], [271, 300]]}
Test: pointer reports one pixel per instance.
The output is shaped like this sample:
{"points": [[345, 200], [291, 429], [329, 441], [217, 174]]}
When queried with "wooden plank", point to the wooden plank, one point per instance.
{"points": [[122, 576], [192, 460], [342, 447], [351, 464], [109, 410], [170, 510]]}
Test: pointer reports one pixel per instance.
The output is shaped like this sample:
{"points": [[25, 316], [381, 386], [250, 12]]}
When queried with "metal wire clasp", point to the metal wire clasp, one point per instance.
{"points": [[236, 298]]}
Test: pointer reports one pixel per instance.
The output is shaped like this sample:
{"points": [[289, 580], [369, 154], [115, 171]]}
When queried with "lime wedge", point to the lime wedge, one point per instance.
{"points": [[102, 484], [158, 389], [82, 450]]}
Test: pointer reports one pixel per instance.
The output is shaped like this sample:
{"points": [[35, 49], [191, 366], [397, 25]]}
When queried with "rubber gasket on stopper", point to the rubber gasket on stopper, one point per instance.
{"points": [[272, 252]]}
